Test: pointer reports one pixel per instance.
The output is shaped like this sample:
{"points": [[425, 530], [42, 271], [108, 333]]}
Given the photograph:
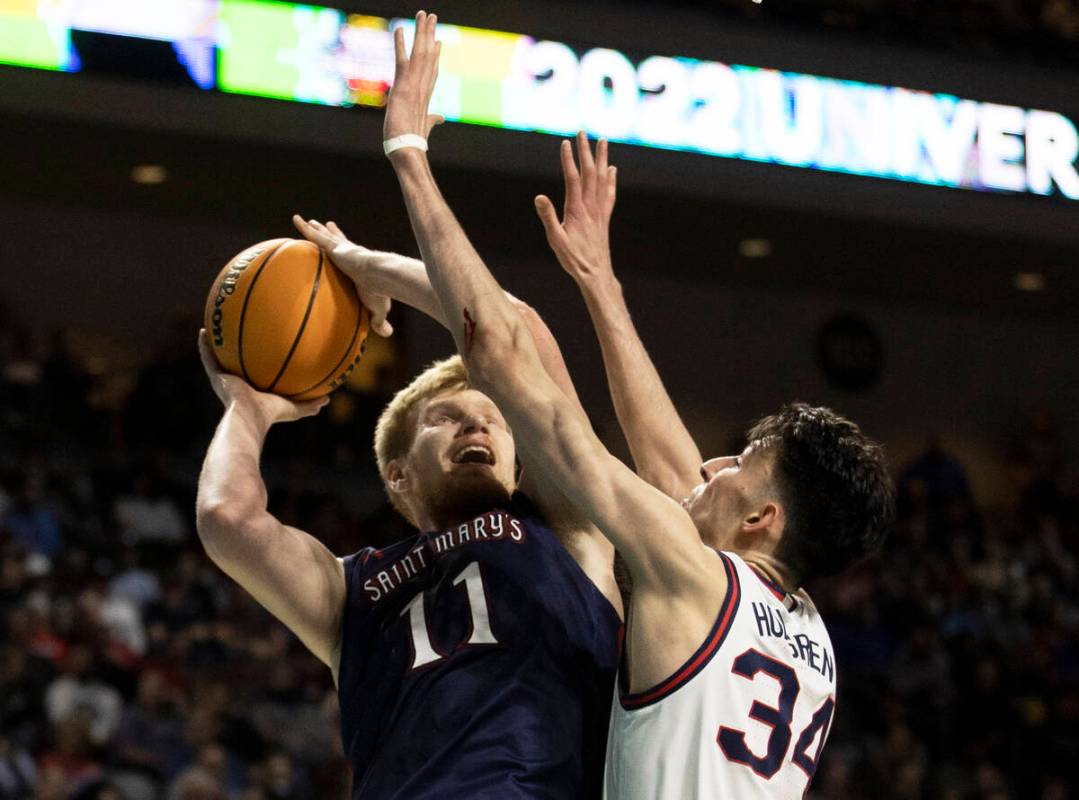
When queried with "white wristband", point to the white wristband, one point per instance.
{"points": [[405, 140]]}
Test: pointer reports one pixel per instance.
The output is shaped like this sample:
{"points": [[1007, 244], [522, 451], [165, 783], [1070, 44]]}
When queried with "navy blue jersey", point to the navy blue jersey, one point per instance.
{"points": [[476, 662]]}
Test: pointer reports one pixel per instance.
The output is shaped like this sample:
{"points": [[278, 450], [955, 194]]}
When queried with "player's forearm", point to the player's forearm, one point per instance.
{"points": [[475, 309], [403, 280], [549, 352], [231, 490], [663, 450]]}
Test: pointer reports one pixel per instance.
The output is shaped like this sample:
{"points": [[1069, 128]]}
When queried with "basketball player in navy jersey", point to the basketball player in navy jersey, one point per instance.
{"points": [[475, 659], [727, 687]]}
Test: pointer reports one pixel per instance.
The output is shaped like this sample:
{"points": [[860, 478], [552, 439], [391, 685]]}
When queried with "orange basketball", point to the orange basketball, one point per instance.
{"points": [[284, 318]]}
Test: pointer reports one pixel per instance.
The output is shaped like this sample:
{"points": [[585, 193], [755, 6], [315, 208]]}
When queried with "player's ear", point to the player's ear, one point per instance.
{"points": [[761, 519], [397, 476]]}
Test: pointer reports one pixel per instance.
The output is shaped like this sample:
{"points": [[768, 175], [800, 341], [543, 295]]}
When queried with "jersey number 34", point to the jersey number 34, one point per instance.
{"points": [[733, 742]]}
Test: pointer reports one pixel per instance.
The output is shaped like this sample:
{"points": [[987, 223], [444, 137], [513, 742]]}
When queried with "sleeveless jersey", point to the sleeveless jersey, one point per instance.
{"points": [[476, 662], [747, 715]]}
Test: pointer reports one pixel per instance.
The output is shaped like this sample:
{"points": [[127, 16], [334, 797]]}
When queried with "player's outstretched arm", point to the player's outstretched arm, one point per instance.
{"points": [[663, 450], [503, 362], [290, 573]]}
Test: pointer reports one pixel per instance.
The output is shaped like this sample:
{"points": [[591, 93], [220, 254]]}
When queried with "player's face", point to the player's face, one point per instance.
{"points": [[730, 485], [462, 458]]}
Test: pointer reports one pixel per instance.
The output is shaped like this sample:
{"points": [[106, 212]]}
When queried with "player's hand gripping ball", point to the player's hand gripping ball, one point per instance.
{"points": [[285, 319]]}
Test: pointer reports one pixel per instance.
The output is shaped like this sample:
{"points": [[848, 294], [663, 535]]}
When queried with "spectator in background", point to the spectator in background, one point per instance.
{"points": [[31, 523], [937, 475], [72, 753], [23, 680], [148, 738], [147, 515], [17, 771], [196, 784], [134, 581], [79, 693]]}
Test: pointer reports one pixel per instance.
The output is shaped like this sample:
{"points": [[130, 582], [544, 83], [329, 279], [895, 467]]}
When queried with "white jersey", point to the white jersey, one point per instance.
{"points": [[746, 716]]}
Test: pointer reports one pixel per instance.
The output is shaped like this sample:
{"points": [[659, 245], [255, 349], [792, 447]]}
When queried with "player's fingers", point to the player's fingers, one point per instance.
{"points": [[308, 408], [301, 225], [588, 166], [379, 323], [556, 236], [336, 231], [206, 354], [601, 162], [432, 23], [570, 175], [421, 43], [380, 312], [612, 187], [546, 212], [400, 57], [432, 120], [320, 234]]}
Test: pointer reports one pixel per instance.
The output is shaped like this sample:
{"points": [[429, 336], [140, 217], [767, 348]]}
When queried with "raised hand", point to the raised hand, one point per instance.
{"points": [[413, 82], [580, 240], [351, 259], [234, 390]]}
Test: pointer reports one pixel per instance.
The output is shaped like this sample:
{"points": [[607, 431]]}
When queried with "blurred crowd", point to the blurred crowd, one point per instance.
{"points": [[1041, 30], [959, 646], [132, 669]]}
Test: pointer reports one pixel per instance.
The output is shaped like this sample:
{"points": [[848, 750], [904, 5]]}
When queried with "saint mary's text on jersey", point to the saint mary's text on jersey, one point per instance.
{"points": [[494, 526]]}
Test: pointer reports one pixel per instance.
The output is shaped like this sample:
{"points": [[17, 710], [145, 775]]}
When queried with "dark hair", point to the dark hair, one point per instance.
{"points": [[836, 492]]}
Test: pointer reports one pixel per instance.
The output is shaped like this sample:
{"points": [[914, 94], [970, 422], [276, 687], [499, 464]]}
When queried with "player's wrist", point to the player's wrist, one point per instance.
{"points": [[408, 158], [246, 408], [352, 258], [599, 280], [404, 141]]}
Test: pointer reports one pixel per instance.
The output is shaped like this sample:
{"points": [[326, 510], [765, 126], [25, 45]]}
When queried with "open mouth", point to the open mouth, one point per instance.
{"points": [[475, 454]]}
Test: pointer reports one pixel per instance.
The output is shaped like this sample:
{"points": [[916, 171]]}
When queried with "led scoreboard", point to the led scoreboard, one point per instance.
{"points": [[322, 55]]}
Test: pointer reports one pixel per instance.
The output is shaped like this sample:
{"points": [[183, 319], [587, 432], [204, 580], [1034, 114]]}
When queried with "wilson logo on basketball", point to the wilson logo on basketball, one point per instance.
{"points": [[227, 286]]}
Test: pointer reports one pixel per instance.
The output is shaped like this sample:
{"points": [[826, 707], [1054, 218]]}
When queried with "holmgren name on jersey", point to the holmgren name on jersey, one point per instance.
{"points": [[770, 622]]}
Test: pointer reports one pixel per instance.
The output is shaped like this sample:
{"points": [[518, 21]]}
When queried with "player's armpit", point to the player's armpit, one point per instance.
{"points": [[289, 572]]}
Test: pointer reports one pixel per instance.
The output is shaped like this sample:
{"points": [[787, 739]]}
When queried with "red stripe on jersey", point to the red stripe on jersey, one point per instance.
{"points": [[704, 653]]}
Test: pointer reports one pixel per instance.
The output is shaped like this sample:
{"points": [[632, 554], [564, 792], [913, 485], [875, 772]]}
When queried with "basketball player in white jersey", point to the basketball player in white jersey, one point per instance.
{"points": [[749, 710], [728, 677]]}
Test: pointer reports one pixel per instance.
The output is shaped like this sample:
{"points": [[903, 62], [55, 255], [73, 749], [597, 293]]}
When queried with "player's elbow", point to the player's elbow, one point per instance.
{"points": [[219, 522]]}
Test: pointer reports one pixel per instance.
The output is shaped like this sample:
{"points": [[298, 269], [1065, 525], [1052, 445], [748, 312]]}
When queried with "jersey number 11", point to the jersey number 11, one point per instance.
{"points": [[423, 652]]}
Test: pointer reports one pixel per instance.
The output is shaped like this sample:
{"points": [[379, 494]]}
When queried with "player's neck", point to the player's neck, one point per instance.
{"points": [[771, 568]]}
